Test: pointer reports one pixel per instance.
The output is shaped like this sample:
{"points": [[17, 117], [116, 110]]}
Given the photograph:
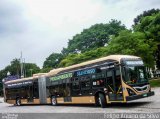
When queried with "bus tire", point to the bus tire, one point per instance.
{"points": [[97, 101], [18, 102], [102, 100], [53, 101]]}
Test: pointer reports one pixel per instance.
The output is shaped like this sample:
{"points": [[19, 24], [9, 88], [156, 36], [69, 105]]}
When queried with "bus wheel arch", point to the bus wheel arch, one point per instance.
{"points": [[100, 99], [18, 101], [53, 100]]}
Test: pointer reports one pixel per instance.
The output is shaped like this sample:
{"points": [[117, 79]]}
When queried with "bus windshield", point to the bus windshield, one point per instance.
{"points": [[134, 72], [136, 75]]}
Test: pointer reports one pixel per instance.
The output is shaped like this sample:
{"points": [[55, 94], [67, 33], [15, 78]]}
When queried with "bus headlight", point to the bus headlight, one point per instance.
{"points": [[105, 90]]}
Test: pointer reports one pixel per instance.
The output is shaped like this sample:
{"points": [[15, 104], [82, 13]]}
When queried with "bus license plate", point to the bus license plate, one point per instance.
{"points": [[144, 95]]}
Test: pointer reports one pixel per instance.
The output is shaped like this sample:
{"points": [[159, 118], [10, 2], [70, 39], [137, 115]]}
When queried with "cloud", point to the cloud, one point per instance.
{"points": [[10, 18], [40, 27], [125, 10]]}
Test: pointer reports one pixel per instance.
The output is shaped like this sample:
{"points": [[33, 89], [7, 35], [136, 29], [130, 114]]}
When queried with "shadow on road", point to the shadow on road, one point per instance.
{"points": [[128, 105], [114, 105]]}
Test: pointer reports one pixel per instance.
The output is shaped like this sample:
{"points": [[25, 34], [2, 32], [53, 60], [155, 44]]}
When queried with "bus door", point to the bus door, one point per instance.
{"points": [[30, 93], [75, 90], [114, 84]]}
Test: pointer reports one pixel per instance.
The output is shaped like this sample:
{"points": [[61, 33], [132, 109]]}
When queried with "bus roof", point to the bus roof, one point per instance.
{"points": [[110, 57], [39, 74], [19, 80], [35, 76]]}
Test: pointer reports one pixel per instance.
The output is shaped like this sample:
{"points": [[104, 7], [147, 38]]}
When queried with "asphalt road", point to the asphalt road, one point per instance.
{"points": [[145, 105]]}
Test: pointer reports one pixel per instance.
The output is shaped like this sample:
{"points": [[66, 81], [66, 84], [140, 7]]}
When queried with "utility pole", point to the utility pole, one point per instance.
{"points": [[21, 63], [24, 69]]}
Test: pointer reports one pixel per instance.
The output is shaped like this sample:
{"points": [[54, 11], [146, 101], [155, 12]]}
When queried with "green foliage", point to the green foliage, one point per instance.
{"points": [[2, 75], [126, 43], [14, 69], [150, 26], [137, 20], [140, 42], [78, 58], [155, 83], [53, 60], [45, 70], [132, 44], [31, 68], [94, 37]]}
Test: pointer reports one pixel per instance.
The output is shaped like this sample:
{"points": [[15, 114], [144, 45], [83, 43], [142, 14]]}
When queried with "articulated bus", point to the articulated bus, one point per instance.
{"points": [[111, 79]]}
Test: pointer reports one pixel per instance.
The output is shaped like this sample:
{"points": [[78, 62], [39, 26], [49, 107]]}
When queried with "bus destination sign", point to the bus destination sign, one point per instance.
{"points": [[63, 76], [18, 84], [85, 72]]}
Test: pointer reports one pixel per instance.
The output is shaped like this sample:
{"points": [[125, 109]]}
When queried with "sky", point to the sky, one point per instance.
{"points": [[38, 28]]}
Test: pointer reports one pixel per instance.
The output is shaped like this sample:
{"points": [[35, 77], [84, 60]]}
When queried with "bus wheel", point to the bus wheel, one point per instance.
{"points": [[53, 101], [97, 101], [18, 102], [102, 100]]}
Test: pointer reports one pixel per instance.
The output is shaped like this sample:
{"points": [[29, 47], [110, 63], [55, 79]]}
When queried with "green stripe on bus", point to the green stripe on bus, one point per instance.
{"points": [[63, 76]]}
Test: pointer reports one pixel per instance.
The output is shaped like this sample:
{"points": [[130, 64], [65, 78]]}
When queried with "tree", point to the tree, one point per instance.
{"points": [[126, 43], [150, 26], [81, 57], [45, 70], [14, 69], [132, 44], [2, 75], [94, 37], [137, 20], [53, 60], [30, 69]]}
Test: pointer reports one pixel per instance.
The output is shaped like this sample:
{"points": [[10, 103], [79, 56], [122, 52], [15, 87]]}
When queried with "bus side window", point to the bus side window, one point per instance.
{"points": [[75, 85], [85, 82], [98, 80], [36, 91], [54, 89], [67, 88], [61, 87]]}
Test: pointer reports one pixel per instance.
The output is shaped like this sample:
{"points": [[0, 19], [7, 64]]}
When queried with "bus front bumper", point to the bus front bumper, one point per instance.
{"points": [[134, 97]]}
